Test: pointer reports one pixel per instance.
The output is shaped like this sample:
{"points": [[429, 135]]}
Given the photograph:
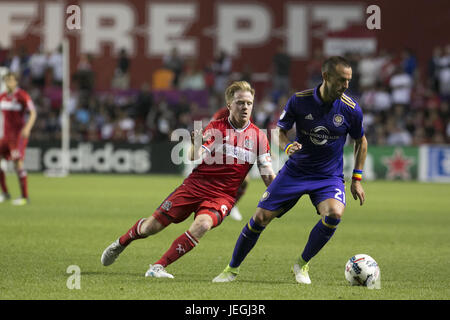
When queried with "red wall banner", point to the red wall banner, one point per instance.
{"points": [[250, 31]]}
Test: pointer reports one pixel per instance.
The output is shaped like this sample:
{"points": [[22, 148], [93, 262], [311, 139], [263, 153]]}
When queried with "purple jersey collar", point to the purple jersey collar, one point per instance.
{"points": [[317, 95], [318, 99]]}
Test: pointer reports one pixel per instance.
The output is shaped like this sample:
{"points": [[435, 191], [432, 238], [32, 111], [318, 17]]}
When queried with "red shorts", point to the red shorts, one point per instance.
{"points": [[180, 204], [13, 149]]}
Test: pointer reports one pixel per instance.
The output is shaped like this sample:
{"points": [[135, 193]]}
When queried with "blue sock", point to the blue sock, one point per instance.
{"points": [[246, 241], [319, 236]]}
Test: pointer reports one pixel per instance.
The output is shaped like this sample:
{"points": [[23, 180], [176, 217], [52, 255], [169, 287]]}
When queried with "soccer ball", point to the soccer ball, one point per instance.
{"points": [[363, 270]]}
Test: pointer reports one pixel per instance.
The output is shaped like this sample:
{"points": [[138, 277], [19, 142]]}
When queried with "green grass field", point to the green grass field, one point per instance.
{"points": [[405, 226]]}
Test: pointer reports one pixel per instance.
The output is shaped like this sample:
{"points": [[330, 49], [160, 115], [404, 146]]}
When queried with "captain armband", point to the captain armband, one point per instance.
{"points": [[288, 146], [357, 175]]}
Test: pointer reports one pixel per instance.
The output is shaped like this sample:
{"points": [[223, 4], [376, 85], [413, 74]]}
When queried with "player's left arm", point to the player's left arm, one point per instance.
{"points": [[25, 132], [360, 152], [264, 161], [266, 172]]}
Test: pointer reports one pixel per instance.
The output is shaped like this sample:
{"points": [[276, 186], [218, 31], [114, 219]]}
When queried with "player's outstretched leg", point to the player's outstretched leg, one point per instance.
{"points": [[112, 252], [182, 245]]}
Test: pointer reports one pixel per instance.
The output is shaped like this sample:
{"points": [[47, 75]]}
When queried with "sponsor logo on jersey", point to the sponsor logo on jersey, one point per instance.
{"points": [[319, 135], [10, 105]]}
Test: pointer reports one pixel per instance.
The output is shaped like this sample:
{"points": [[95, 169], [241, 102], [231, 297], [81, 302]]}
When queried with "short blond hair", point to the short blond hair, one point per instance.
{"points": [[15, 75], [237, 86]]}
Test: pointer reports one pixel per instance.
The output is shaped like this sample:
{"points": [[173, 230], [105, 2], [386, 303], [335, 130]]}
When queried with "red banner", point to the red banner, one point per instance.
{"points": [[250, 31]]}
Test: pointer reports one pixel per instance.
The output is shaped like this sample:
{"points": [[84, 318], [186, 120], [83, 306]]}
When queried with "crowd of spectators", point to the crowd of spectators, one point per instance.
{"points": [[401, 106]]}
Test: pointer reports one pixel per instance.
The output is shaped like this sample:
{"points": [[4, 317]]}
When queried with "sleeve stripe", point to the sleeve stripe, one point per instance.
{"points": [[348, 101], [305, 92]]}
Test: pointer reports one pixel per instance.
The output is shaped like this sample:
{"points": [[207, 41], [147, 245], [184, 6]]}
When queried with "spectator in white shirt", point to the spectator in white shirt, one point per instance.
{"points": [[401, 85], [55, 62], [38, 66]]}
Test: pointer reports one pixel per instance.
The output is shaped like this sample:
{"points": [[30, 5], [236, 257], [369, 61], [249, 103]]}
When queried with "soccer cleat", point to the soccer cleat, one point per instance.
{"points": [[235, 214], [111, 253], [301, 273], [227, 275], [4, 197], [158, 271], [19, 202]]}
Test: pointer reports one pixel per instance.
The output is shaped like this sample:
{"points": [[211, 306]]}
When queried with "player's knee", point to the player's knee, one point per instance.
{"points": [[202, 224], [205, 224], [335, 213], [263, 217], [150, 226]]}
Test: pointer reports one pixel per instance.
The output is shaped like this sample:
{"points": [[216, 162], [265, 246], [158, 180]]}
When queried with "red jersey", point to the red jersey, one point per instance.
{"points": [[13, 107], [229, 155]]}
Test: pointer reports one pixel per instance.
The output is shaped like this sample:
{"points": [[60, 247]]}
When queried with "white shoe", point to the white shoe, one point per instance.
{"points": [[301, 273], [4, 197], [19, 202], [235, 214], [158, 271], [111, 253]]}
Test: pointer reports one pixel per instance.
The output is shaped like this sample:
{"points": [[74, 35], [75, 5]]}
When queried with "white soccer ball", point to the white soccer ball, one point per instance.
{"points": [[363, 270]]}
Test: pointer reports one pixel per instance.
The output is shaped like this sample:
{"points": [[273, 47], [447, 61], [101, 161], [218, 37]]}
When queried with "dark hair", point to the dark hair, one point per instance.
{"points": [[331, 63]]}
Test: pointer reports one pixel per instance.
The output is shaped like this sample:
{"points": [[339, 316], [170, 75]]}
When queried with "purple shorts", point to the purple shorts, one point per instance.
{"points": [[285, 191]]}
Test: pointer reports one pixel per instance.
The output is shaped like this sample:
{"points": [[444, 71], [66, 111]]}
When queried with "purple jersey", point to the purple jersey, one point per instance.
{"points": [[322, 130]]}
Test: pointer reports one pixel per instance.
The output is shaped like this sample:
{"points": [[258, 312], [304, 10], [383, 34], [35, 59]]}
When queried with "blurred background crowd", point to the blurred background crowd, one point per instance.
{"points": [[401, 106]]}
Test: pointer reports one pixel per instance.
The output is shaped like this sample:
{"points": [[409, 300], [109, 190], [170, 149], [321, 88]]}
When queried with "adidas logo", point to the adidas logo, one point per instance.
{"points": [[309, 117]]}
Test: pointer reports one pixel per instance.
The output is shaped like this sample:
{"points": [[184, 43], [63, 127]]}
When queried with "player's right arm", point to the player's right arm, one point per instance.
{"points": [[285, 123], [201, 141], [195, 151], [283, 142]]}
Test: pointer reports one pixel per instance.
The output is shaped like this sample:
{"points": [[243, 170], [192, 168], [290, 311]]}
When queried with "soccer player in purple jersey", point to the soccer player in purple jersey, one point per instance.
{"points": [[323, 116]]}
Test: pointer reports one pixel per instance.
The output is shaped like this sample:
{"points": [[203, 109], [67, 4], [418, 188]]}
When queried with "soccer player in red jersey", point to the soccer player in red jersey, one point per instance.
{"points": [[234, 213], [14, 133], [229, 148]]}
